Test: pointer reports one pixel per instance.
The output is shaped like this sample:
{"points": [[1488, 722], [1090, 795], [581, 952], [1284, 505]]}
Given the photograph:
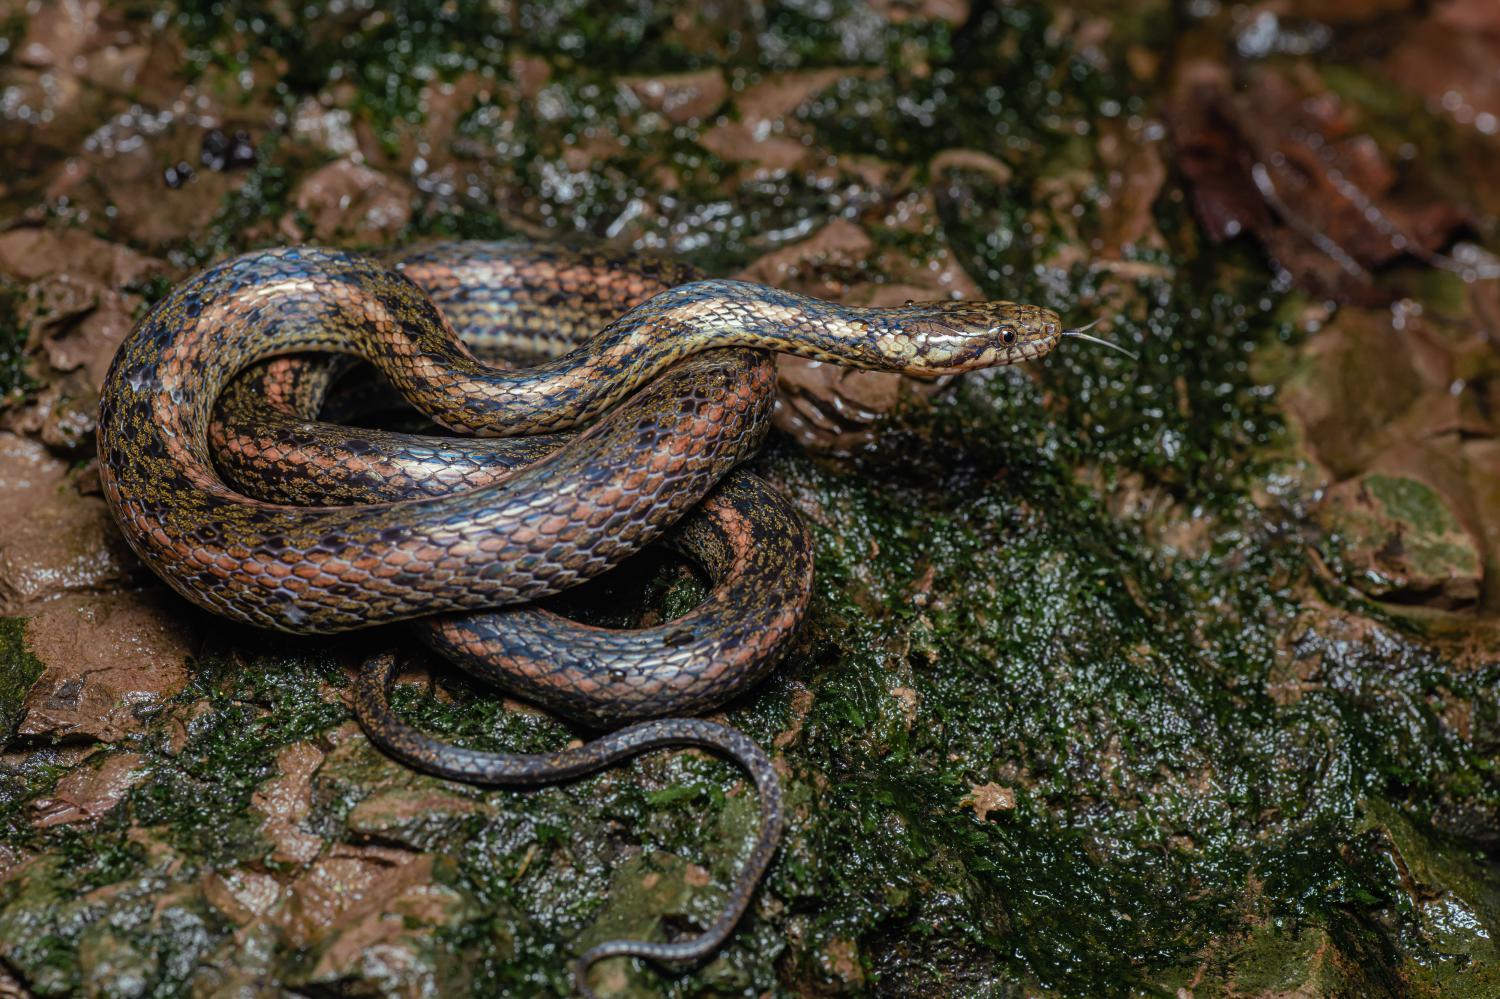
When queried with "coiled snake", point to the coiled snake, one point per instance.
{"points": [[353, 528]]}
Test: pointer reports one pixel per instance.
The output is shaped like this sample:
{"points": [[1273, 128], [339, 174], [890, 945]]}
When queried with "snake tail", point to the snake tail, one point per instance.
{"points": [[386, 729]]}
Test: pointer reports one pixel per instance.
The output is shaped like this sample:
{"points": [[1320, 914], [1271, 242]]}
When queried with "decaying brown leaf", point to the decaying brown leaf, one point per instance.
{"points": [[1282, 158]]}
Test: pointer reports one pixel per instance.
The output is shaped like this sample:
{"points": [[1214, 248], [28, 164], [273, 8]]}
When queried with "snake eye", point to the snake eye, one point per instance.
{"points": [[1008, 335]]}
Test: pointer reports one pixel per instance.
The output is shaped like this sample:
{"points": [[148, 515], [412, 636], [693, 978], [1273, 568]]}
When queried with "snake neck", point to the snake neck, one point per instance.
{"points": [[285, 301], [691, 318], [727, 313]]}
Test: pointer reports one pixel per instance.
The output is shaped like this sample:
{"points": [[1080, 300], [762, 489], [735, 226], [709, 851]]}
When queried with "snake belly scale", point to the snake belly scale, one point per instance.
{"points": [[670, 396]]}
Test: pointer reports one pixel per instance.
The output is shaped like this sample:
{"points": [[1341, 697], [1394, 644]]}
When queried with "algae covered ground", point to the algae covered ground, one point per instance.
{"points": [[1176, 676]]}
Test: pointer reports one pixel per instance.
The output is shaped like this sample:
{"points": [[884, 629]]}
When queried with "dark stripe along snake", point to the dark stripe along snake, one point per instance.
{"points": [[670, 396]]}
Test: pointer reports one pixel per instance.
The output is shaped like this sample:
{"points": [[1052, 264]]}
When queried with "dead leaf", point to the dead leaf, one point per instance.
{"points": [[841, 958], [765, 135], [684, 98], [89, 792], [1450, 60], [987, 798], [1282, 158], [953, 12], [347, 200], [32, 253]]}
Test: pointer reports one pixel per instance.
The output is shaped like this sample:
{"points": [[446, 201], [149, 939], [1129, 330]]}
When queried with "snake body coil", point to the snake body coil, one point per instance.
{"points": [[521, 302], [670, 396]]}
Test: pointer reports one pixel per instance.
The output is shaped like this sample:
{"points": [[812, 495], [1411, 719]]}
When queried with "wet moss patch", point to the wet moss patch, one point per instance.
{"points": [[19, 668], [14, 380]]}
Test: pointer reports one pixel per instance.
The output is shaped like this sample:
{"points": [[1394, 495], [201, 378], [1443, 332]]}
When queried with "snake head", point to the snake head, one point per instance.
{"points": [[961, 336]]}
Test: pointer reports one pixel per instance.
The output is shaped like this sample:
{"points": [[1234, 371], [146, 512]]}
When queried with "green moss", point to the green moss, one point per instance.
{"points": [[244, 710], [19, 668], [55, 908], [14, 379], [1413, 502], [1395, 535], [389, 54], [944, 95], [12, 30], [253, 206]]}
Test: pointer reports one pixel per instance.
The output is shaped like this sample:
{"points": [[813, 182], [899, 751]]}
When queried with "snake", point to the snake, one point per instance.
{"points": [[601, 447], [504, 301]]}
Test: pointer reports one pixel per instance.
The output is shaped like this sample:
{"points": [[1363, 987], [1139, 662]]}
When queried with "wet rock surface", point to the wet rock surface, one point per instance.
{"points": [[108, 662], [1178, 676]]}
